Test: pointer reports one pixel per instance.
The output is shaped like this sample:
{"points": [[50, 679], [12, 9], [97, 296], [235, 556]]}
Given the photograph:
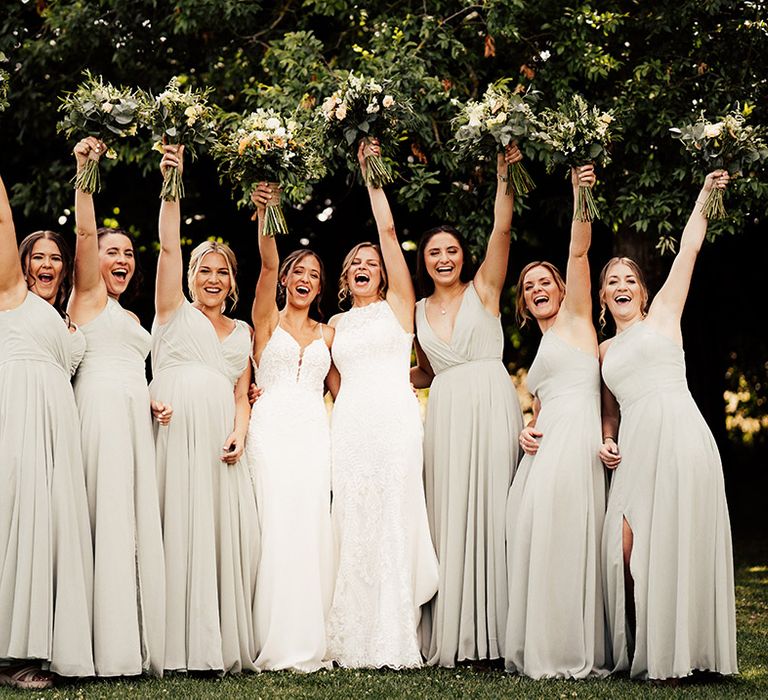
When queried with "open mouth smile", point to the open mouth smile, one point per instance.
{"points": [[302, 290], [362, 278], [541, 299], [122, 275], [622, 299]]}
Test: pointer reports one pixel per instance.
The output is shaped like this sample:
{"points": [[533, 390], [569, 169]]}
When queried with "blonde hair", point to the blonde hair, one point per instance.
{"points": [[521, 310], [636, 271], [196, 261], [344, 292]]}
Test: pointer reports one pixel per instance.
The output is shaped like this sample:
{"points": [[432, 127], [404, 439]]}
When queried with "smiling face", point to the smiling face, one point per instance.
{"points": [[623, 291], [541, 293], [364, 273], [45, 268], [303, 281], [443, 259], [212, 281], [116, 262]]}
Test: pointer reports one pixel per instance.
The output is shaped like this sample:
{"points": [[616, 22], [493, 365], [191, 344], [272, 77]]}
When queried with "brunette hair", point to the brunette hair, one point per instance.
{"points": [[426, 283], [344, 292], [196, 260], [287, 265], [521, 310], [632, 265], [65, 285], [137, 279]]}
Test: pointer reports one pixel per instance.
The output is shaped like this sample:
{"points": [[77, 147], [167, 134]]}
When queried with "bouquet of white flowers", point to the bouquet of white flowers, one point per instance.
{"points": [[102, 110], [727, 143], [365, 108], [181, 117], [576, 134], [489, 125], [266, 146]]}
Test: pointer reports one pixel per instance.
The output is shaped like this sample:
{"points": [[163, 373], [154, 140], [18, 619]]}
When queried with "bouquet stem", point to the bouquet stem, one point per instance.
{"points": [[518, 179], [88, 179], [714, 208], [173, 186], [586, 209], [377, 172], [274, 219]]}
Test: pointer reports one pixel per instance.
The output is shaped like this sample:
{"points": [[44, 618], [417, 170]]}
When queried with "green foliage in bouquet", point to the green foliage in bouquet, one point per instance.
{"points": [[182, 117], [576, 134], [102, 110], [5, 84], [266, 146], [489, 125], [728, 143], [364, 107]]}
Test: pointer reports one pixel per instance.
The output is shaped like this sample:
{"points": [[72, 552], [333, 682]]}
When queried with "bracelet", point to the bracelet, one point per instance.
{"points": [[503, 179], [700, 203], [609, 437]]}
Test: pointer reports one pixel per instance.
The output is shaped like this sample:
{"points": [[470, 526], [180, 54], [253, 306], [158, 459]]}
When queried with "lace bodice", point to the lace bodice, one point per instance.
{"points": [[284, 364]]}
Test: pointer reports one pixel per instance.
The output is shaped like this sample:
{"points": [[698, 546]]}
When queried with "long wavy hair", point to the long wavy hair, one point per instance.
{"points": [[65, 284], [426, 283], [287, 265]]}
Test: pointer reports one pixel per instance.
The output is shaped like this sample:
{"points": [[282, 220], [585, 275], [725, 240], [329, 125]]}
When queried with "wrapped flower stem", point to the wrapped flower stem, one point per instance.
{"points": [[518, 180], [87, 179], [714, 206], [274, 219], [173, 186], [586, 209], [377, 172]]}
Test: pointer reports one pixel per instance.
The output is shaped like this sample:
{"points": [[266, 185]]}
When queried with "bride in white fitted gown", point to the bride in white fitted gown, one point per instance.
{"points": [[289, 453], [387, 564]]}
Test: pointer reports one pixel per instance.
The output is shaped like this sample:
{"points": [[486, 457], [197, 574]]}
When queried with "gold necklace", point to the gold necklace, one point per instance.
{"points": [[444, 307]]}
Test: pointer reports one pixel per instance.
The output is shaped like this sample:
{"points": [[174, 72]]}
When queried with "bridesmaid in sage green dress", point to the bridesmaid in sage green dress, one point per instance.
{"points": [[556, 505], [46, 564], [200, 363], [118, 449], [470, 442], [667, 558]]}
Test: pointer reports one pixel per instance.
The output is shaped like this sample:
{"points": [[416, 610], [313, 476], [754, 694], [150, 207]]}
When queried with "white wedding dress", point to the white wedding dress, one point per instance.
{"points": [[387, 564], [289, 454]]}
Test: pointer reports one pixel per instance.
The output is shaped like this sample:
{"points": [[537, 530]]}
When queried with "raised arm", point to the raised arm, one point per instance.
{"points": [[12, 286], [169, 290], [667, 307], [264, 312], [90, 293], [578, 296], [400, 295]]}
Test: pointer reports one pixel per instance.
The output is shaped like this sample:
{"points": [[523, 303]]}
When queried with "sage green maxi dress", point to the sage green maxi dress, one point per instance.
{"points": [[207, 507], [556, 506], [470, 456], [669, 487], [46, 562], [119, 459]]}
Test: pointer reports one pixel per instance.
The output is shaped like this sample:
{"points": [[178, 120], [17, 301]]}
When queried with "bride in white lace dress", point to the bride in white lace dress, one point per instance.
{"points": [[289, 452], [387, 564]]}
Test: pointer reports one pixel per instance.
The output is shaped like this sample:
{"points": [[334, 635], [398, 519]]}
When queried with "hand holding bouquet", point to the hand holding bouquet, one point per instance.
{"points": [[364, 108], [181, 117], [727, 144], [576, 134], [102, 110], [268, 147], [491, 124]]}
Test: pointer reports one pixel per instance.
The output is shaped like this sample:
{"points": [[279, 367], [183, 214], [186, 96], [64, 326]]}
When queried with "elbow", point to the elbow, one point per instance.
{"points": [[387, 232]]}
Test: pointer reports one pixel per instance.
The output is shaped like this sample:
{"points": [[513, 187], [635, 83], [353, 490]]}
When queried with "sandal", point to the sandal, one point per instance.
{"points": [[27, 677]]}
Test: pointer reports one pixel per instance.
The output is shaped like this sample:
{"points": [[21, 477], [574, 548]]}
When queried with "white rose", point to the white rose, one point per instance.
{"points": [[280, 131], [107, 107], [341, 112], [272, 123], [388, 101], [712, 131], [372, 108]]}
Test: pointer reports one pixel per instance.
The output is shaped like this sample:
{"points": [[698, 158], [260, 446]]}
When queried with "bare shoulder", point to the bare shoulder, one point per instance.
{"points": [[603, 347], [333, 320], [328, 331]]}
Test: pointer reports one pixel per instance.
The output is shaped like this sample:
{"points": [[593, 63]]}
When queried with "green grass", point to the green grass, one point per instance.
{"points": [[752, 683]]}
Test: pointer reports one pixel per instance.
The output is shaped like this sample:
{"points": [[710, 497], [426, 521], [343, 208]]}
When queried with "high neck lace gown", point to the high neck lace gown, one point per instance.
{"points": [[470, 456], [387, 564], [555, 509], [210, 525], [289, 451], [46, 561], [119, 458], [669, 487]]}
